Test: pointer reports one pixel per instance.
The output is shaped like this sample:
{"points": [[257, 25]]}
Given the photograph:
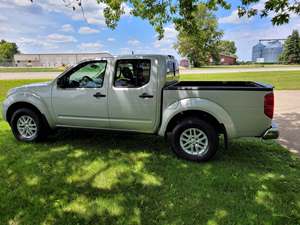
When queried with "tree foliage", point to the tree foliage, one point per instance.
{"points": [[7, 51], [227, 47], [279, 10], [291, 52], [180, 12], [200, 39]]}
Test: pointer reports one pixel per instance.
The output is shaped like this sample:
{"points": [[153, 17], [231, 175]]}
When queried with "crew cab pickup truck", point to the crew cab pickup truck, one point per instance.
{"points": [[142, 93]]}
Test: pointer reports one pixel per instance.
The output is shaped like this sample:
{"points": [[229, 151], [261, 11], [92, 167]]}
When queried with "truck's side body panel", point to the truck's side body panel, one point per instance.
{"points": [[77, 107], [128, 109], [196, 104], [38, 95], [244, 108]]}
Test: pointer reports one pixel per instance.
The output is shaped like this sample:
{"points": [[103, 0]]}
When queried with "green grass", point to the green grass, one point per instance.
{"points": [[91, 177], [28, 69], [5, 85], [245, 66], [282, 80]]}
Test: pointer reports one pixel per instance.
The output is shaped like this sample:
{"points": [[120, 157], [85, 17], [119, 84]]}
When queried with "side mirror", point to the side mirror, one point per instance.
{"points": [[61, 82]]}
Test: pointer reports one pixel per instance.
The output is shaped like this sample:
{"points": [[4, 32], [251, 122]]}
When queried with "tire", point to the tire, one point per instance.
{"points": [[195, 140], [33, 120]]}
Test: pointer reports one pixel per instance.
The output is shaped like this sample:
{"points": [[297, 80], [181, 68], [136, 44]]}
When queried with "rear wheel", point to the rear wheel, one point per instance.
{"points": [[195, 140], [27, 125]]}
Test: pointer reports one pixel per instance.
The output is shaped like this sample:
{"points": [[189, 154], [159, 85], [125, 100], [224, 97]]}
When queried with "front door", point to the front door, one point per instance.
{"points": [[133, 96], [80, 97]]}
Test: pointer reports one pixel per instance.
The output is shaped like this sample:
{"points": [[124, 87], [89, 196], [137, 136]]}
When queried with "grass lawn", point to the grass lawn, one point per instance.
{"points": [[245, 66], [282, 80], [92, 177], [28, 69]]}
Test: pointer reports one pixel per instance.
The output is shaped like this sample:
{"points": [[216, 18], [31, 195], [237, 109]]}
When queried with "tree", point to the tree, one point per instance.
{"points": [[291, 51], [7, 51], [199, 40], [227, 47], [159, 13]]}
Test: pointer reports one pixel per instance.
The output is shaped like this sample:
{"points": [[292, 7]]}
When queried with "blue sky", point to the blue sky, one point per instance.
{"points": [[49, 26]]}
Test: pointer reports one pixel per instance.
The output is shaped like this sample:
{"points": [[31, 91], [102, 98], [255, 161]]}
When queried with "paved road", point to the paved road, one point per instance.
{"points": [[51, 75], [28, 75], [287, 116]]}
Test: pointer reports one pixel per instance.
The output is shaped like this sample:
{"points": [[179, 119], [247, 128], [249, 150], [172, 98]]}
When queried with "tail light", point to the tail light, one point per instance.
{"points": [[269, 105]]}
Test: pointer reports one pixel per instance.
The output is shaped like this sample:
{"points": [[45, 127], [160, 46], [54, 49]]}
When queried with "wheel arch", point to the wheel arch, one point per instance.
{"points": [[18, 105], [199, 108], [196, 114]]}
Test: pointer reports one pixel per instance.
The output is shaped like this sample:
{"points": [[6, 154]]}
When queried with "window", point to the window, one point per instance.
{"points": [[132, 73], [86, 75]]}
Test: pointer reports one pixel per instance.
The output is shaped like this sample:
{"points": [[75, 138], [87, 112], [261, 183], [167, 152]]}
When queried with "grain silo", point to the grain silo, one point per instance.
{"points": [[272, 51], [268, 52], [257, 51]]}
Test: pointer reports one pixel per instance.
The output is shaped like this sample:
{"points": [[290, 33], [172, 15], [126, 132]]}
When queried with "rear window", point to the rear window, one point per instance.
{"points": [[132, 73]]}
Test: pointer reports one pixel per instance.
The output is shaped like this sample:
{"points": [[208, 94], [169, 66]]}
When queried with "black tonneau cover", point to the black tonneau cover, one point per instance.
{"points": [[219, 85]]}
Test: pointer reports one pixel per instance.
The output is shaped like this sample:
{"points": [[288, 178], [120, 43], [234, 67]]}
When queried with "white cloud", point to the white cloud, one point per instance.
{"points": [[87, 30], [134, 42], [91, 47], [166, 44], [67, 28], [36, 42], [22, 2], [233, 18], [93, 12], [3, 18], [169, 39], [111, 39], [59, 38], [23, 16], [125, 51]]}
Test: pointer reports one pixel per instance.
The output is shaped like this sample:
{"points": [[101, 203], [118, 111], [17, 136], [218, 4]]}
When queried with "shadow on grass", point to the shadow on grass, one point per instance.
{"points": [[88, 177]]}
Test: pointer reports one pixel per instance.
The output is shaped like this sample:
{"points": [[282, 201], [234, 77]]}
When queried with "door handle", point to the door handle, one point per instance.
{"points": [[145, 95], [99, 95]]}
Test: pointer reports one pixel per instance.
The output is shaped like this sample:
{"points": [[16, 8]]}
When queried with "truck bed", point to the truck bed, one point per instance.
{"points": [[242, 100]]}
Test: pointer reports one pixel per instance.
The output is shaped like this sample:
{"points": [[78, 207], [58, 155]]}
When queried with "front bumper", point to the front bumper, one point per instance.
{"points": [[272, 132]]}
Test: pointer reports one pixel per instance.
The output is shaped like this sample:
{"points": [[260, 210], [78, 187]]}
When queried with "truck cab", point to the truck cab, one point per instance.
{"points": [[120, 93]]}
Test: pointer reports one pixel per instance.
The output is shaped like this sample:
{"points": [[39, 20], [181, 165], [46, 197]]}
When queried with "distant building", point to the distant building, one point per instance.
{"points": [[225, 59], [184, 63], [268, 52], [55, 59]]}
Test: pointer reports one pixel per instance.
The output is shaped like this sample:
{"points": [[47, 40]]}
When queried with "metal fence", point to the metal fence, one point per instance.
{"points": [[7, 63]]}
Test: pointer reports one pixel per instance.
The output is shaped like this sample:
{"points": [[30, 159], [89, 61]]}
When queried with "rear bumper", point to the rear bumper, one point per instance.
{"points": [[272, 132]]}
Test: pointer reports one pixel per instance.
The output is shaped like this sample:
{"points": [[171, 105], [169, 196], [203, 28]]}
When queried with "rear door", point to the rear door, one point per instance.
{"points": [[133, 95]]}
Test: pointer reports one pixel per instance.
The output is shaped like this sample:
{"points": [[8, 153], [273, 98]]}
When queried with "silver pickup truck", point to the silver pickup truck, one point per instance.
{"points": [[142, 93]]}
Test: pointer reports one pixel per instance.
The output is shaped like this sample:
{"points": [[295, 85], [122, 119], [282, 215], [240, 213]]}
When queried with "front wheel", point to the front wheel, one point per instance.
{"points": [[194, 139], [27, 125]]}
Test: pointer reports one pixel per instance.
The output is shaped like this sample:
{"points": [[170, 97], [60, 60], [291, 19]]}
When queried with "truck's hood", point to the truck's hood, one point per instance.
{"points": [[35, 87]]}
